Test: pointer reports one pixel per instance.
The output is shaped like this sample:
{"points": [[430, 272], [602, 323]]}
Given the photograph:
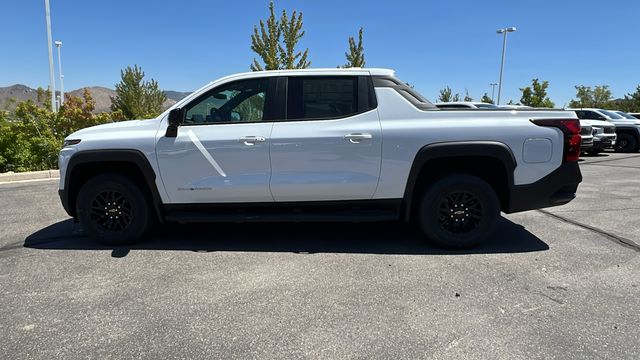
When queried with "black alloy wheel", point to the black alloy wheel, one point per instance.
{"points": [[459, 211], [113, 210]]}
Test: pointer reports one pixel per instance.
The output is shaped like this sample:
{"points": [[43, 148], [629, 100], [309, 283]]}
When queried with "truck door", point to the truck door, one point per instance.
{"points": [[221, 153], [328, 146]]}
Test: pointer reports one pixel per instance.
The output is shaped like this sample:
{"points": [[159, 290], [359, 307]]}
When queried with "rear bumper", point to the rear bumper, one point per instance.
{"points": [[557, 188]]}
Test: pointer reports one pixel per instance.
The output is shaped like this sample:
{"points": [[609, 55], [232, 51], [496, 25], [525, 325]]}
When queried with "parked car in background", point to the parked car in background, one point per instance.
{"points": [[604, 132], [586, 133], [627, 130], [636, 115], [465, 105], [626, 115]]}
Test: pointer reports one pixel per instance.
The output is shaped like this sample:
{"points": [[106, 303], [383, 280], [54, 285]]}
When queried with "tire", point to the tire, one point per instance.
{"points": [[127, 214], [626, 143], [476, 219]]}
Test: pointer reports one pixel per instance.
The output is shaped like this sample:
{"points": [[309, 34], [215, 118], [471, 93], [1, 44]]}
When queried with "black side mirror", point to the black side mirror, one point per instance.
{"points": [[175, 119]]}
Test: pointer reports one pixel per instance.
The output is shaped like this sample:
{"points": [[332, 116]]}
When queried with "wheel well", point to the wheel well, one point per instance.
{"points": [[81, 173], [490, 169]]}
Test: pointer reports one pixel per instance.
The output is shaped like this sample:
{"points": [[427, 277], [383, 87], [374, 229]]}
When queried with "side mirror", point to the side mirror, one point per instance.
{"points": [[175, 119]]}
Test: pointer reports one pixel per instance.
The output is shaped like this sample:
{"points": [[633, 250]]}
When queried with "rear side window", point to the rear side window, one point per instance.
{"points": [[312, 98]]}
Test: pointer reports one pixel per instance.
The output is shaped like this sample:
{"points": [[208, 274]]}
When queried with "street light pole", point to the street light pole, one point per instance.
{"points": [[504, 32], [493, 90], [59, 46], [52, 80]]}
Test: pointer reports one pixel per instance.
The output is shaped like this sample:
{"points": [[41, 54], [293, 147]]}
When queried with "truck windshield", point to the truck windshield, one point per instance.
{"points": [[625, 115]]}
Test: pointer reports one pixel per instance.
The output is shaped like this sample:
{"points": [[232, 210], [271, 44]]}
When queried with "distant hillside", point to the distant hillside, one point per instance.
{"points": [[16, 93], [101, 95], [176, 95]]}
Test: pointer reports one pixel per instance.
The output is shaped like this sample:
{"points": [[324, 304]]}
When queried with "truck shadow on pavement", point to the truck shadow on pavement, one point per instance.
{"points": [[303, 238]]}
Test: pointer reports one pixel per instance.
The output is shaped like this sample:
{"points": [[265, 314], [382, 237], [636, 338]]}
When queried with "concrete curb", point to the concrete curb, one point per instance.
{"points": [[30, 175]]}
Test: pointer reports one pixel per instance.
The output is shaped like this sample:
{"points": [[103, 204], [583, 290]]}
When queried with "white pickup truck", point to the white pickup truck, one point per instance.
{"points": [[319, 145]]}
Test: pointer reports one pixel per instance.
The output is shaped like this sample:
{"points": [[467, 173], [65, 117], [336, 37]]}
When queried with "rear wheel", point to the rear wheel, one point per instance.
{"points": [[113, 210], [459, 211], [626, 143]]}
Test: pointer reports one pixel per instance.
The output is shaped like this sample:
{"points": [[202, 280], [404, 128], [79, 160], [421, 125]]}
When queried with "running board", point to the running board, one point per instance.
{"points": [[347, 216]]}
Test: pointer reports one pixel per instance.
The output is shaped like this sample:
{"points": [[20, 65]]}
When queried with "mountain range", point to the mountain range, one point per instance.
{"points": [[10, 95]]}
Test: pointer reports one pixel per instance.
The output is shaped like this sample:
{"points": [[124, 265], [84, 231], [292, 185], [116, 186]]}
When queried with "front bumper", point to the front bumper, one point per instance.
{"points": [[587, 142], [604, 141], [557, 188]]}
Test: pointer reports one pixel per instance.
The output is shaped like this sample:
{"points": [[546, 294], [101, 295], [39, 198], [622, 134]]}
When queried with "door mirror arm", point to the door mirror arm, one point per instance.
{"points": [[175, 119]]}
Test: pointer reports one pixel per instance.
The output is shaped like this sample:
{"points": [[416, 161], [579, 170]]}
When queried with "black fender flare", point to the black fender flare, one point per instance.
{"points": [[134, 157], [490, 149]]}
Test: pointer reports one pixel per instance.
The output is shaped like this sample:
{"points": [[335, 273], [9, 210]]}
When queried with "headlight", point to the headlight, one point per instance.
{"points": [[71, 142]]}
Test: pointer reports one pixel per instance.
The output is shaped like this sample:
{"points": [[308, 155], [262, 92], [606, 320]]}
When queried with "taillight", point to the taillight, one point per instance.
{"points": [[571, 130]]}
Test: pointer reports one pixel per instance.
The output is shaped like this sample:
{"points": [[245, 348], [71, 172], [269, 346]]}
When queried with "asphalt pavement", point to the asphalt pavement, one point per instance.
{"points": [[562, 283]]}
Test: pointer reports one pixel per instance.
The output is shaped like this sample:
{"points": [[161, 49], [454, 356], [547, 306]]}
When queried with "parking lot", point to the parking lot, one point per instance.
{"points": [[558, 283]]}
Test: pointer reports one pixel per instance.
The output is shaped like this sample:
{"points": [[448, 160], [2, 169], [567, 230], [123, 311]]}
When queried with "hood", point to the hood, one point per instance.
{"points": [[625, 122], [116, 127]]}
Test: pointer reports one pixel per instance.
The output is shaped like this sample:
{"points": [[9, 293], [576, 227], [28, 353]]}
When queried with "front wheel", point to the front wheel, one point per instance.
{"points": [[626, 143], [459, 211], [113, 210]]}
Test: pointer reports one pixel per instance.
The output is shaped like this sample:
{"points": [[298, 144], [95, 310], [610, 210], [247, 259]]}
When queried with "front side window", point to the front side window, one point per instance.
{"points": [[239, 101], [312, 98]]}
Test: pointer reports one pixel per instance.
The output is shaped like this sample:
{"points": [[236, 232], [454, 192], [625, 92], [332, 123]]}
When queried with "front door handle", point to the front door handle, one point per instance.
{"points": [[356, 138], [252, 140]]}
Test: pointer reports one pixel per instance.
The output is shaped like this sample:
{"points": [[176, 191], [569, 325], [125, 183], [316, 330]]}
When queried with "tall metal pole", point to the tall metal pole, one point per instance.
{"points": [[504, 54], [52, 83], [59, 46]]}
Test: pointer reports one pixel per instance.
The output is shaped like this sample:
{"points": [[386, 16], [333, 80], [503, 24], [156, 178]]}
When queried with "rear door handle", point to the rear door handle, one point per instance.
{"points": [[356, 138], [252, 140]]}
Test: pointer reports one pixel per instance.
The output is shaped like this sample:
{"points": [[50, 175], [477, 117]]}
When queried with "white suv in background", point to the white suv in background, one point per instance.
{"points": [[604, 132]]}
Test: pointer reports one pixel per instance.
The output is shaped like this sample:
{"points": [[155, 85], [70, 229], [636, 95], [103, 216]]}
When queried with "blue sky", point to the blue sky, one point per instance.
{"points": [[432, 44]]}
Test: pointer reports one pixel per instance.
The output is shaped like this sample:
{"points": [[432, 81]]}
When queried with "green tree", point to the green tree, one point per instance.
{"points": [[536, 95], [355, 56], [275, 41], [135, 98], [466, 95], [291, 34], [486, 99], [631, 102], [586, 96], [31, 135], [446, 95]]}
